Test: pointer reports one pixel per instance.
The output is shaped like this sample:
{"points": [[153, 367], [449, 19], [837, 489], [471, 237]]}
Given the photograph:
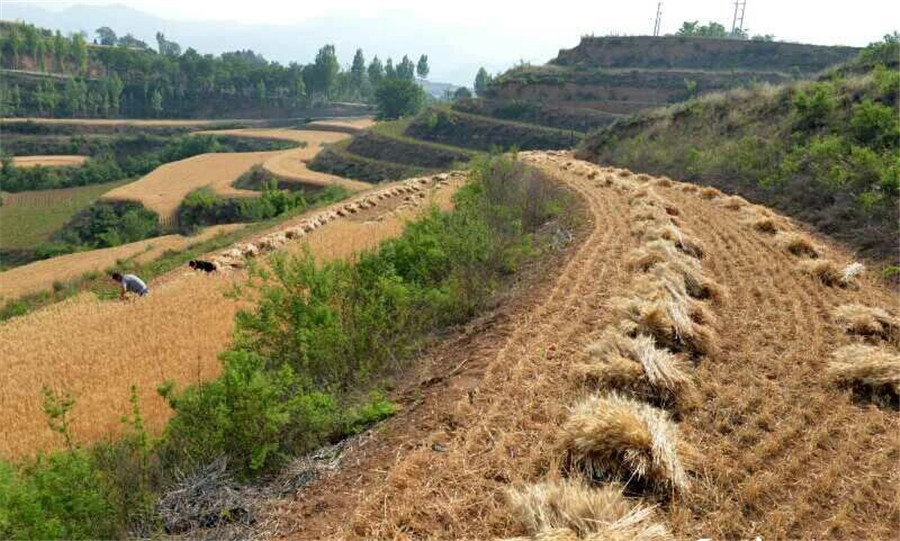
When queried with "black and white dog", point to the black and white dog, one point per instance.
{"points": [[199, 264]]}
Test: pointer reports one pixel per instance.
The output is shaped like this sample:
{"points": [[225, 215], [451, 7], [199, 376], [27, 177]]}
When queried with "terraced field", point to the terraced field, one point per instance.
{"points": [[48, 161], [43, 274], [689, 350], [97, 349]]}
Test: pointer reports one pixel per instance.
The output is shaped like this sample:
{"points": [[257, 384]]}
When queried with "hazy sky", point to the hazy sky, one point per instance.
{"points": [[562, 21]]}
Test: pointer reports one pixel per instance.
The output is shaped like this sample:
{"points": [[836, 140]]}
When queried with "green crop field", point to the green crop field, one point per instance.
{"points": [[29, 218]]}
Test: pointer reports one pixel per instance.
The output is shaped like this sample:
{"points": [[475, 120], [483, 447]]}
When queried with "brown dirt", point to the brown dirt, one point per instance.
{"points": [[48, 161], [781, 451]]}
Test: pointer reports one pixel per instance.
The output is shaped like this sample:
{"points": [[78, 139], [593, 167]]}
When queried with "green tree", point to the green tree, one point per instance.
{"points": [[376, 72], [406, 69], [107, 36], [422, 68], [156, 102], [396, 98], [358, 72], [14, 42], [41, 54], [389, 71], [261, 93], [79, 52], [324, 71], [462, 93], [114, 89], [60, 50], [166, 47], [482, 80]]}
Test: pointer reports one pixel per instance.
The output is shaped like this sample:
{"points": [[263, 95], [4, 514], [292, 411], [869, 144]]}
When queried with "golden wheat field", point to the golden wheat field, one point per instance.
{"points": [[117, 121], [679, 349], [163, 189], [291, 164], [96, 350], [41, 275], [348, 125], [48, 161]]}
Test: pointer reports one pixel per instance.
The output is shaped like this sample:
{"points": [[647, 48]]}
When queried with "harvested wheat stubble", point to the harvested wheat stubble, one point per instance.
{"points": [[798, 244], [867, 321], [87, 346], [41, 275], [637, 366], [572, 510], [690, 188], [48, 161], [672, 321], [867, 366], [613, 437]]}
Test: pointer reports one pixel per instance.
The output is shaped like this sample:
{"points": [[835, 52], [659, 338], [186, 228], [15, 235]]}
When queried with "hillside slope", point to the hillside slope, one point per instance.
{"points": [[825, 151], [779, 451]]}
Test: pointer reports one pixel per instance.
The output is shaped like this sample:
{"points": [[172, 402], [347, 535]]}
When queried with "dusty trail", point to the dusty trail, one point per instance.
{"points": [[783, 453], [96, 349]]}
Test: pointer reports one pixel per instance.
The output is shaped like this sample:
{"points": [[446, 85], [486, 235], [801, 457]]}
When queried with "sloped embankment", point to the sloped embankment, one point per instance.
{"points": [[751, 435]]}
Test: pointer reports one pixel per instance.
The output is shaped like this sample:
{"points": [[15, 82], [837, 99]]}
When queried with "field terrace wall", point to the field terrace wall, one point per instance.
{"points": [[623, 75], [670, 52]]}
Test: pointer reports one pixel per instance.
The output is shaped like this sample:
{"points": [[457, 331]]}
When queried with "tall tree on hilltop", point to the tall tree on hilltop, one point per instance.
{"points": [[358, 72], [107, 36], [60, 50], [389, 71], [422, 68], [325, 71], [79, 52], [406, 69], [482, 80], [376, 72], [14, 42]]}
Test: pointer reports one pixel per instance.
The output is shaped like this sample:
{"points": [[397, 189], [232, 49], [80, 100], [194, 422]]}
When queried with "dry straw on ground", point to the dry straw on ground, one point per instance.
{"points": [[798, 244], [48, 161], [765, 225], [867, 321], [614, 437], [572, 510], [637, 366], [710, 193], [873, 367]]}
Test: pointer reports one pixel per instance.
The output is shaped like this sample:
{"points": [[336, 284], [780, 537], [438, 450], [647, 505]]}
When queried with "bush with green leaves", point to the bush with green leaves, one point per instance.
{"points": [[398, 97], [110, 223]]}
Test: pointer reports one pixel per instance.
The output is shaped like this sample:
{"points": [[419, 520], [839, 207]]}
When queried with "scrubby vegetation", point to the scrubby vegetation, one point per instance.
{"points": [[482, 133], [580, 120], [824, 151], [309, 358], [203, 207], [337, 161], [373, 145]]}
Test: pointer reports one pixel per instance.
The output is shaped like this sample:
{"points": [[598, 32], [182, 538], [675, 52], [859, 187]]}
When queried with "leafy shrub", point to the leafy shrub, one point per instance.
{"points": [[398, 97], [813, 110], [875, 124], [110, 223], [203, 207], [62, 495]]}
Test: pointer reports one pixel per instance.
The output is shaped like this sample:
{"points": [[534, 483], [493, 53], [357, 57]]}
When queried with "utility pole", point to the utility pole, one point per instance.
{"points": [[658, 19], [737, 24]]}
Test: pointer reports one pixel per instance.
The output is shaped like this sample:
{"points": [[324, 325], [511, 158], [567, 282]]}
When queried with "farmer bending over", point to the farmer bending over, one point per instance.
{"points": [[130, 283]]}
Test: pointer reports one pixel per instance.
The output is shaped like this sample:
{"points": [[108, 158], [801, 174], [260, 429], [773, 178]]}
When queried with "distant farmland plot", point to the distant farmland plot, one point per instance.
{"points": [[29, 218], [48, 161]]}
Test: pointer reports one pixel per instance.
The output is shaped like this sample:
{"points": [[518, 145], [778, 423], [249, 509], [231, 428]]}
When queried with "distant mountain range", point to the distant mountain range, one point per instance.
{"points": [[454, 56]]}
